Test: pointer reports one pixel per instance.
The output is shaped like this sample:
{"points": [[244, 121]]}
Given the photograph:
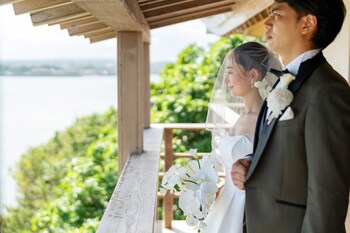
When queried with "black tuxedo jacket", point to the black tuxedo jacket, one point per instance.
{"points": [[300, 173]]}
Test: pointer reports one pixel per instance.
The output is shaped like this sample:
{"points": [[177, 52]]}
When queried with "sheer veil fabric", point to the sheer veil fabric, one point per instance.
{"points": [[224, 109]]}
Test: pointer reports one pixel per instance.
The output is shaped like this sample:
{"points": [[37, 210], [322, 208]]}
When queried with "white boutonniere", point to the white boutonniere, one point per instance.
{"points": [[265, 85], [280, 97]]}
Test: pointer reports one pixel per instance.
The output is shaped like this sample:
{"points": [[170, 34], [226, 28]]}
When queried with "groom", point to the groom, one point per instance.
{"points": [[298, 179]]}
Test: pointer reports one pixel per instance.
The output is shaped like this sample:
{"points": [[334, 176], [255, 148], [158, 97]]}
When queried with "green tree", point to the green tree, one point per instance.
{"points": [[65, 184]]}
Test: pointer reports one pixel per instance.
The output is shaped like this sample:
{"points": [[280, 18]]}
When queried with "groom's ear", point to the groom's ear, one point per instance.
{"points": [[309, 24]]}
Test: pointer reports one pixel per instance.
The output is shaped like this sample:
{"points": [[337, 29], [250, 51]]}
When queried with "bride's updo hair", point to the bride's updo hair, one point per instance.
{"points": [[252, 55]]}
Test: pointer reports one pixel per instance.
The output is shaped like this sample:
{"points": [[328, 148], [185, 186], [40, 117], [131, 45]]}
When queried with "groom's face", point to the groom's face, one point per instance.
{"points": [[282, 28]]}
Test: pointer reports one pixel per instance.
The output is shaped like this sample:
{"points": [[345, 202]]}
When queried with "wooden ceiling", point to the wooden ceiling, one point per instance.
{"points": [[253, 25], [99, 20]]}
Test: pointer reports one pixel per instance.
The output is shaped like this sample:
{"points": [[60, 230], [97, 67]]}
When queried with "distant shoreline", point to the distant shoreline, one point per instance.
{"points": [[72, 68]]}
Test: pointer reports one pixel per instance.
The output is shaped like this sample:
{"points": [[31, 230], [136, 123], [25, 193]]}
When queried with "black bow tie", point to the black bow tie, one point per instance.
{"points": [[279, 73]]}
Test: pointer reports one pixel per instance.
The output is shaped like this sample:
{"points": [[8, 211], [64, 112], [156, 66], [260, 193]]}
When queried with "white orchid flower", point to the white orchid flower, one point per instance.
{"points": [[196, 184], [206, 193], [171, 178], [193, 152], [163, 191], [191, 220], [182, 172], [188, 202], [193, 169], [202, 225], [211, 159]]}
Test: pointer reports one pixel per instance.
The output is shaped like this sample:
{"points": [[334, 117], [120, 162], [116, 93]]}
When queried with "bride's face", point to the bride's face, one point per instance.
{"points": [[236, 78]]}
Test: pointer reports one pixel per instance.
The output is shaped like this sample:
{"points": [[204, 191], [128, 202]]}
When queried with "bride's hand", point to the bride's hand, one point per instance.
{"points": [[239, 172]]}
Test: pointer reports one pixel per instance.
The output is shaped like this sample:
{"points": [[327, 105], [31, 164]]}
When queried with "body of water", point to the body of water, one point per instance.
{"points": [[33, 108]]}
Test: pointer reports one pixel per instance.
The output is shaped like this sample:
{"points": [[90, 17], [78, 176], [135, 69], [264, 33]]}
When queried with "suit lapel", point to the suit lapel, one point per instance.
{"points": [[263, 132], [259, 124]]}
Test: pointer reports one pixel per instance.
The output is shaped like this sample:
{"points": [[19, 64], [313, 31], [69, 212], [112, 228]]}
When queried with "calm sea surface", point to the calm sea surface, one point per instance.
{"points": [[33, 108]]}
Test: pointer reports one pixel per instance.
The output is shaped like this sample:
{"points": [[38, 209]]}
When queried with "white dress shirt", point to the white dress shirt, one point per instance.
{"points": [[293, 66]]}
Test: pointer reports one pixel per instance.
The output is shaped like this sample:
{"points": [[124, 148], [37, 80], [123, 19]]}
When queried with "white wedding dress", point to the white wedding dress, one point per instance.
{"points": [[226, 215]]}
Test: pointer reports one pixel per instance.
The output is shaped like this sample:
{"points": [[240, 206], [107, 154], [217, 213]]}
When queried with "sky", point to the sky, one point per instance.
{"points": [[20, 40]]}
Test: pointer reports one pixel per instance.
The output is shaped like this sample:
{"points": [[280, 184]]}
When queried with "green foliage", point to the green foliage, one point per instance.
{"points": [[183, 91], [1, 222], [65, 184]]}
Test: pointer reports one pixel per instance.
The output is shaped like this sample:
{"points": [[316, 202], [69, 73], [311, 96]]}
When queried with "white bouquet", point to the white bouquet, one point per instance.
{"points": [[196, 183]]}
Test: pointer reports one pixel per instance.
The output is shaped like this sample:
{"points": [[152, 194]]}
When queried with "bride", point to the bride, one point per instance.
{"points": [[233, 110]]}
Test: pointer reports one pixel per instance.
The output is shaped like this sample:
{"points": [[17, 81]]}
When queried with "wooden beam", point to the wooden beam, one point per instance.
{"points": [[103, 36], [79, 22], [5, 2], [257, 29], [37, 5], [187, 17], [145, 2], [120, 15], [160, 4], [86, 28], [58, 14], [188, 6], [240, 14], [69, 20], [227, 4], [98, 31], [130, 128]]}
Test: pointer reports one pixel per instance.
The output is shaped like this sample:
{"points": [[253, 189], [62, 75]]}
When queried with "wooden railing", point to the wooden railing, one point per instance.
{"points": [[132, 207]]}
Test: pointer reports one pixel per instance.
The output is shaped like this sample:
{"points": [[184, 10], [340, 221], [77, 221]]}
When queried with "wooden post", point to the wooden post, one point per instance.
{"points": [[130, 99], [146, 86], [168, 200]]}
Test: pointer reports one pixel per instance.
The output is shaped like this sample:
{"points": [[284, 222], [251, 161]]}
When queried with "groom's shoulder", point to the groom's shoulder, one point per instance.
{"points": [[325, 82], [325, 74]]}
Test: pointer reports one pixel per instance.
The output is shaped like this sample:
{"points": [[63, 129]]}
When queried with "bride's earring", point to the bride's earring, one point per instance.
{"points": [[252, 83]]}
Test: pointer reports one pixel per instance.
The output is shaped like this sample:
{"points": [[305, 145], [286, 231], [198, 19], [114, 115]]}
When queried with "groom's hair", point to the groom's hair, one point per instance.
{"points": [[330, 16]]}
